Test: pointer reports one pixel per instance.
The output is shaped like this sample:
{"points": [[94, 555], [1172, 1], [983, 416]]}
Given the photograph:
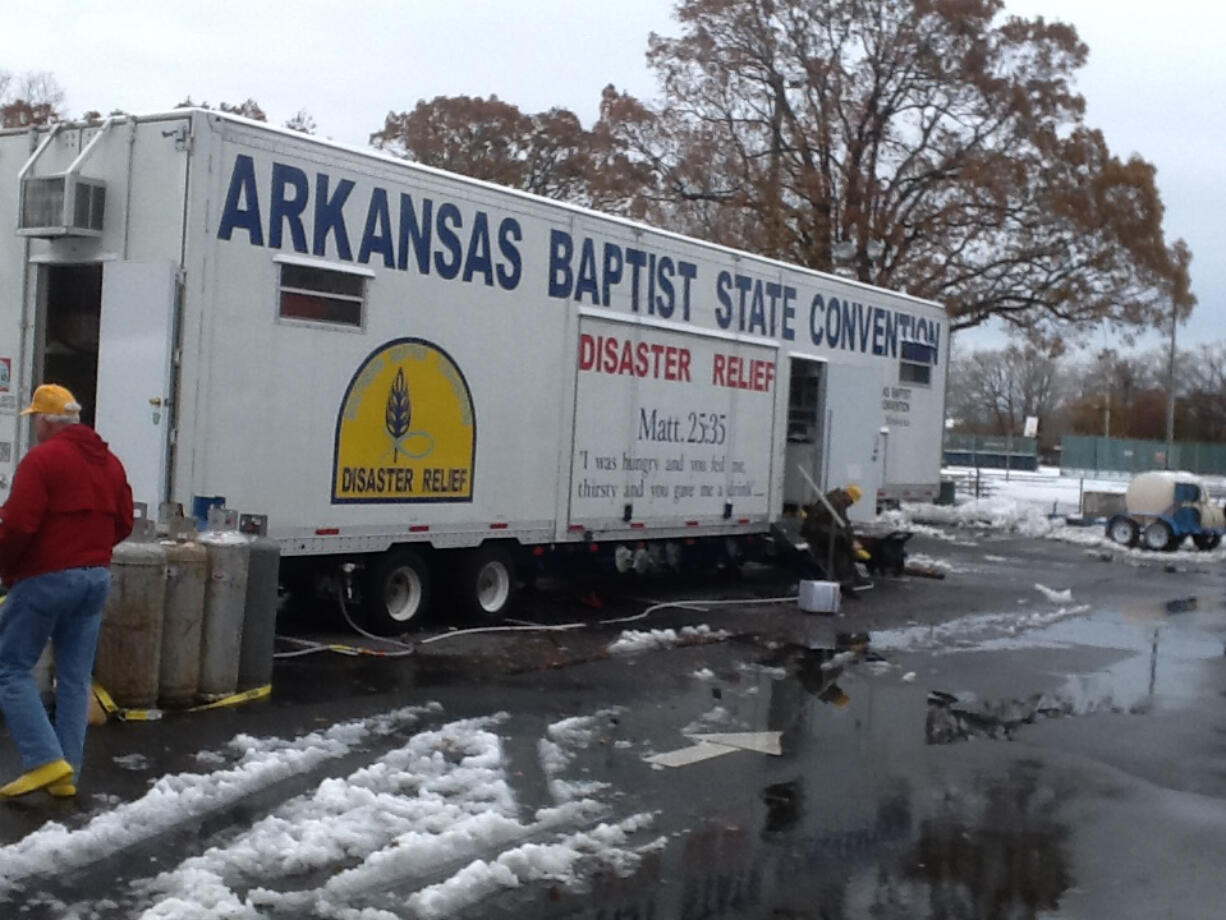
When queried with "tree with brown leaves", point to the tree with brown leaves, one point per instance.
{"points": [[547, 153], [935, 146], [30, 99]]}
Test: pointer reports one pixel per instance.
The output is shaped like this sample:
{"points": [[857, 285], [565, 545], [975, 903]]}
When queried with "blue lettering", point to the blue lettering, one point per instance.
{"points": [[849, 325], [612, 273], [479, 260], [561, 250], [864, 321], [743, 284], [415, 232], [637, 259], [282, 209], [509, 233], [449, 214], [586, 282], [773, 291], [935, 340], [666, 302], [834, 323], [723, 313], [757, 311], [878, 331], [816, 331], [891, 333], [330, 217], [377, 235], [234, 215], [688, 271], [789, 314]]}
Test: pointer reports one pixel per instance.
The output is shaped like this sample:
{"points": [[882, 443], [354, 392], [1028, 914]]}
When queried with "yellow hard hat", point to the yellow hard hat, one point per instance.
{"points": [[854, 491]]}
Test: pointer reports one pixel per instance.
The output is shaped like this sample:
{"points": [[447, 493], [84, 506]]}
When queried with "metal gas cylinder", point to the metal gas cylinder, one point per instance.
{"points": [[130, 645], [225, 597], [187, 571], [260, 604]]}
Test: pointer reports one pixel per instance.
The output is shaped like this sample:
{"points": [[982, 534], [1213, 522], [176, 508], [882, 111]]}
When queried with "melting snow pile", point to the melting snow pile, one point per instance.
{"points": [[633, 640], [433, 825]]}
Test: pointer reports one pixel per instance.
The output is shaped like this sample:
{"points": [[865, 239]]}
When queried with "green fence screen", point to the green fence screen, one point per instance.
{"points": [[1081, 455]]}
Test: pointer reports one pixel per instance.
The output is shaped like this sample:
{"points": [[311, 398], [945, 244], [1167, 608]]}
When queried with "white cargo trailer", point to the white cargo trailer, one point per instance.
{"points": [[430, 375]]}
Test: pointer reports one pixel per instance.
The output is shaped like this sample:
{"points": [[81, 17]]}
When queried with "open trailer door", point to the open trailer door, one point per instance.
{"points": [[135, 366]]}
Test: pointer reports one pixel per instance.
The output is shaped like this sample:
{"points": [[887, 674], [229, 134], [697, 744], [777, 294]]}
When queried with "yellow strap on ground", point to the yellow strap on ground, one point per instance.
{"points": [[234, 699], [111, 708]]}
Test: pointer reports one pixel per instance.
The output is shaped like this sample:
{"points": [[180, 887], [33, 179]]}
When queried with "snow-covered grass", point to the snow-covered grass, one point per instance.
{"points": [[1023, 505]]}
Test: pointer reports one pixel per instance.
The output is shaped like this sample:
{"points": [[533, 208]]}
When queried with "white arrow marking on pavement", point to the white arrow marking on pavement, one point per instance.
{"points": [[716, 745]]}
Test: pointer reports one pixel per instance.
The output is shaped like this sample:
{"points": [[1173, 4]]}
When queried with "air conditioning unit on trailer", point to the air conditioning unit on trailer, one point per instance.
{"points": [[66, 204]]}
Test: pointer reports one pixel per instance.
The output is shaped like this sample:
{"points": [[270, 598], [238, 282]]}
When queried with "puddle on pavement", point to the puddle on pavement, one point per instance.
{"points": [[852, 820]]}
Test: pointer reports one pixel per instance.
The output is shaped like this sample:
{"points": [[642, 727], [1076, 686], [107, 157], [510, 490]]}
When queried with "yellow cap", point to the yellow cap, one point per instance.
{"points": [[52, 399], [854, 491]]}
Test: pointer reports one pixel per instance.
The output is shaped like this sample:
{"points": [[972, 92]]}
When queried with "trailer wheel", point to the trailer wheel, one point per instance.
{"points": [[1206, 541], [1157, 535], [1122, 530], [484, 582], [397, 592]]}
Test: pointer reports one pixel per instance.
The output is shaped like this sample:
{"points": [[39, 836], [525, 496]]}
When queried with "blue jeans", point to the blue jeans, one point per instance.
{"points": [[66, 608]]}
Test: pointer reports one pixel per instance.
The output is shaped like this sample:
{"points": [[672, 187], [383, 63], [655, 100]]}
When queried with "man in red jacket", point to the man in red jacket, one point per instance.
{"points": [[70, 503]]}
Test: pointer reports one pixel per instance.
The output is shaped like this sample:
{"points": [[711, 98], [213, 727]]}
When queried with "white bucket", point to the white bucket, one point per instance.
{"points": [[819, 596]]}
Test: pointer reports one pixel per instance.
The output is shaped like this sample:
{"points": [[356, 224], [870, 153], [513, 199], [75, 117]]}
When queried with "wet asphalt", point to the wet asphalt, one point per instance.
{"points": [[964, 747]]}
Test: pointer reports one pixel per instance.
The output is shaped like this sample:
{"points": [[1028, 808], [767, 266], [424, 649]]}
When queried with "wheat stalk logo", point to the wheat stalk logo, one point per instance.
{"points": [[399, 412]]}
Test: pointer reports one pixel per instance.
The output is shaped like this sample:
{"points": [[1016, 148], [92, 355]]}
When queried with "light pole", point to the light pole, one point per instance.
{"points": [[1170, 391]]}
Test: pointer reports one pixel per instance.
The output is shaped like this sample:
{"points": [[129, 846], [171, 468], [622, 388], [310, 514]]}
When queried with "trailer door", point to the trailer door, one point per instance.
{"points": [[853, 437], [135, 345]]}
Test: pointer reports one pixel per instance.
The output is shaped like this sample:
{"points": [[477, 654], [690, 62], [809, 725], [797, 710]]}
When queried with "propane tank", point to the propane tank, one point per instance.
{"points": [[187, 570], [224, 597], [260, 604], [130, 644]]}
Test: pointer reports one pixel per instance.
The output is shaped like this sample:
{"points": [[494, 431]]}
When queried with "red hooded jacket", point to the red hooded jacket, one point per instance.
{"points": [[70, 504]]}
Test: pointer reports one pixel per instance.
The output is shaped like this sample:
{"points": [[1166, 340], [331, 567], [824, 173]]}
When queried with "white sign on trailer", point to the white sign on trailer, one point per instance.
{"points": [[670, 426]]}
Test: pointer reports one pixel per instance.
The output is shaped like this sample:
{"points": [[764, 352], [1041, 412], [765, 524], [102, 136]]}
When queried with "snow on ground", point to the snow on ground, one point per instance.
{"points": [[172, 800], [557, 750], [978, 632], [634, 640], [434, 824], [1023, 505]]}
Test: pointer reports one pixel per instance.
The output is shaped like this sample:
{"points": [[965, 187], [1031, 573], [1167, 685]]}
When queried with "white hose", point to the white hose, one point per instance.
{"points": [[405, 648]]}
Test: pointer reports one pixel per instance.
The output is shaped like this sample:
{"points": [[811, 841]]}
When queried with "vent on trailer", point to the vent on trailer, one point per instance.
{"points": [[61, 205]]}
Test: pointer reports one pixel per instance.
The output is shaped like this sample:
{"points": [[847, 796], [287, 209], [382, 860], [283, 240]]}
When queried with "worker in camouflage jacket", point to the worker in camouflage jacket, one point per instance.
{"points": [[820, 529]]}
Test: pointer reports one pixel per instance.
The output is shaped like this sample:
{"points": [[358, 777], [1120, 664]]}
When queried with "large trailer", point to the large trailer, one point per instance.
{"points": [[422, 376]]}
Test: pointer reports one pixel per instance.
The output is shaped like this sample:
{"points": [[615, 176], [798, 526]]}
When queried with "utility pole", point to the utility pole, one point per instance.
{"points": [[1170, 390]]}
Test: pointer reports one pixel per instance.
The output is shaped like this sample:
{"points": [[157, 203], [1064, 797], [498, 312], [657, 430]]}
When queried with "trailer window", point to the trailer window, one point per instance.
{"points": [[322, 296], [915, 364]]}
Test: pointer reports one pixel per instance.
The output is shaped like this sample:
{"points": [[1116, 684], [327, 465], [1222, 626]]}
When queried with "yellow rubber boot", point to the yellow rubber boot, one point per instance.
{"points": [[48, 774], [64, 789]]}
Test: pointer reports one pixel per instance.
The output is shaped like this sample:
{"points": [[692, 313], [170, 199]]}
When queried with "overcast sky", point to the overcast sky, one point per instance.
{"points": [[1155, 84]]}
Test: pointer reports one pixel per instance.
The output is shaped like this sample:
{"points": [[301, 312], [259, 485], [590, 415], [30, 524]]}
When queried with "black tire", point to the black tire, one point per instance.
{"points": [[1122, 530], [1156, 535], [483, 582], [396, 595], [1174, 542], [1207, 541]]}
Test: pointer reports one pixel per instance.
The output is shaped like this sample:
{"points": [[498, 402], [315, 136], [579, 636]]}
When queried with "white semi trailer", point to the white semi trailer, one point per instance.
{"points": [[429, 376]]}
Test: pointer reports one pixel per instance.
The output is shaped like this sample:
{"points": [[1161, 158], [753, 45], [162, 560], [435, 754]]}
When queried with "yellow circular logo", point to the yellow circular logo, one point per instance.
{"points": [[406, 431]]}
